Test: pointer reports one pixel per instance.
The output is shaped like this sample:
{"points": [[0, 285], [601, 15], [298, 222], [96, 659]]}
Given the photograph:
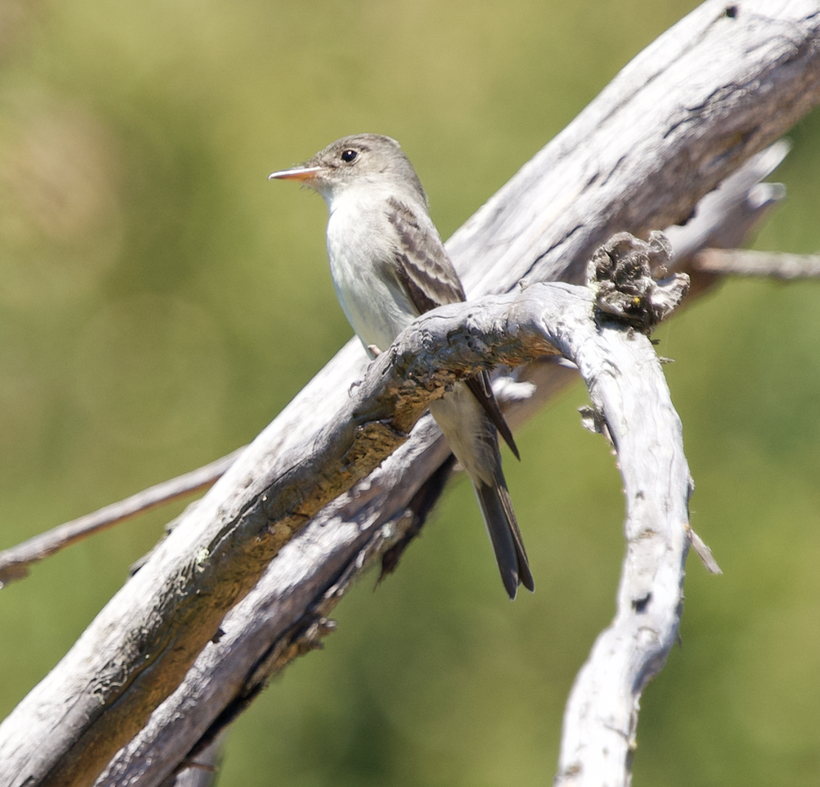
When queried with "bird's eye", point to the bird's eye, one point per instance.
{"points": [[349, 155]]}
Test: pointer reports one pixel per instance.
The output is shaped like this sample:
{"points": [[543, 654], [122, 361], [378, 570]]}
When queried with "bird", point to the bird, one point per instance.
{"points": [[389, 266]]}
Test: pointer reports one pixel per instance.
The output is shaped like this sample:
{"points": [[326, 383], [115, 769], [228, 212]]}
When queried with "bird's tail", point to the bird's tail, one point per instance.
{"points": [[474, 440], [499, 517]]}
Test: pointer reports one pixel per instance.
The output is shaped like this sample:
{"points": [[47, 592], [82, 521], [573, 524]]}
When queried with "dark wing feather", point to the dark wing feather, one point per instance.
{"points": [[424, 268], [481, 389], [429, 278]]}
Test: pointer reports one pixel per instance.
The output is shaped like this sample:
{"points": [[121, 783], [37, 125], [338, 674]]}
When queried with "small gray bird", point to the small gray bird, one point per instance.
{"points": [[389, 266]]}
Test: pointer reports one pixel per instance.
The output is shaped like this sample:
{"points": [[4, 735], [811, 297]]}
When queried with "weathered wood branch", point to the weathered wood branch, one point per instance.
{"points": [[743, 262], [631, 404], [218, 552], [541, 317], [674, 123], [15, 562], [447, 344]]}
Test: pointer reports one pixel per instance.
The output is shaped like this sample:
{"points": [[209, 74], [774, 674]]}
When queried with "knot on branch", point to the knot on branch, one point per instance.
{"points": [[631, 282]]}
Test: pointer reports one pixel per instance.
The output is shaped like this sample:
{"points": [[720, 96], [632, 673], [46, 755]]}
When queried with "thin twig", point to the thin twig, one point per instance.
{"points": [[773, 264], [15, 561]]}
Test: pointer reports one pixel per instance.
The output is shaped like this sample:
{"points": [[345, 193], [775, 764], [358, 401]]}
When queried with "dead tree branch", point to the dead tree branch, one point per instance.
{"points": [[743, 262], [15, 562], [631, 405], [445, 345]]}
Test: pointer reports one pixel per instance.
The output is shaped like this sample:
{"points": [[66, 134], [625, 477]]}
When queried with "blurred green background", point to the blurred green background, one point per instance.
{"points": [[160, 302]]}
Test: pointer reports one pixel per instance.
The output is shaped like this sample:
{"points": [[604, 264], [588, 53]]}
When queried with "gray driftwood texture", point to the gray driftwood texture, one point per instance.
{"points": [[683, 116]]}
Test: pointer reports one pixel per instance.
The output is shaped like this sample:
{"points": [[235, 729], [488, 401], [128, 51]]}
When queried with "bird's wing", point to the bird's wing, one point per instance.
{"points": [[423, 267], [429, 278], [482, 390]]}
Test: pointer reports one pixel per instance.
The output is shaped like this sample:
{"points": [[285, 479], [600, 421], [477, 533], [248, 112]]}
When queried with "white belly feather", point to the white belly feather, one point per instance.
{"points": [[360, 244]]}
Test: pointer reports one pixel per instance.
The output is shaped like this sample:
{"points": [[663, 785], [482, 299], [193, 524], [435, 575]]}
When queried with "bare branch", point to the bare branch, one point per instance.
{"points": [[286, 614], [730, 215], [446, 344], [15, 562], [218, 552], [630, 396], [743, 262], [704, 553]]}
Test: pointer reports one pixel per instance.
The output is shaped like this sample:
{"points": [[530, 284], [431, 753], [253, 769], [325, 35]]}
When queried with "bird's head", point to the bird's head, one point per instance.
{"points": [[361, 160]]}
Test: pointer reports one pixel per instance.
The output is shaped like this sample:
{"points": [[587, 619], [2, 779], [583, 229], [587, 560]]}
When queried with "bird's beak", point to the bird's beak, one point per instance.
{"points": [[302, 174]]}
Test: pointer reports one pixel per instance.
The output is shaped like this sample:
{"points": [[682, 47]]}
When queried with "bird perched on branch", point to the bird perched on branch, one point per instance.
{"points": [[389, 266]]}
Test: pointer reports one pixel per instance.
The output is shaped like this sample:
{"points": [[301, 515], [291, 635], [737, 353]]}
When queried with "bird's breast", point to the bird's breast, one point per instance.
{"points": [[361, 247]]}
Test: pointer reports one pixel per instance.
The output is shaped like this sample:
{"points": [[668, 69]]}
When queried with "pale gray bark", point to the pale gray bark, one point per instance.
{"points": [[602, 713], [678, 120], [742, 262], [15, 561]]}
